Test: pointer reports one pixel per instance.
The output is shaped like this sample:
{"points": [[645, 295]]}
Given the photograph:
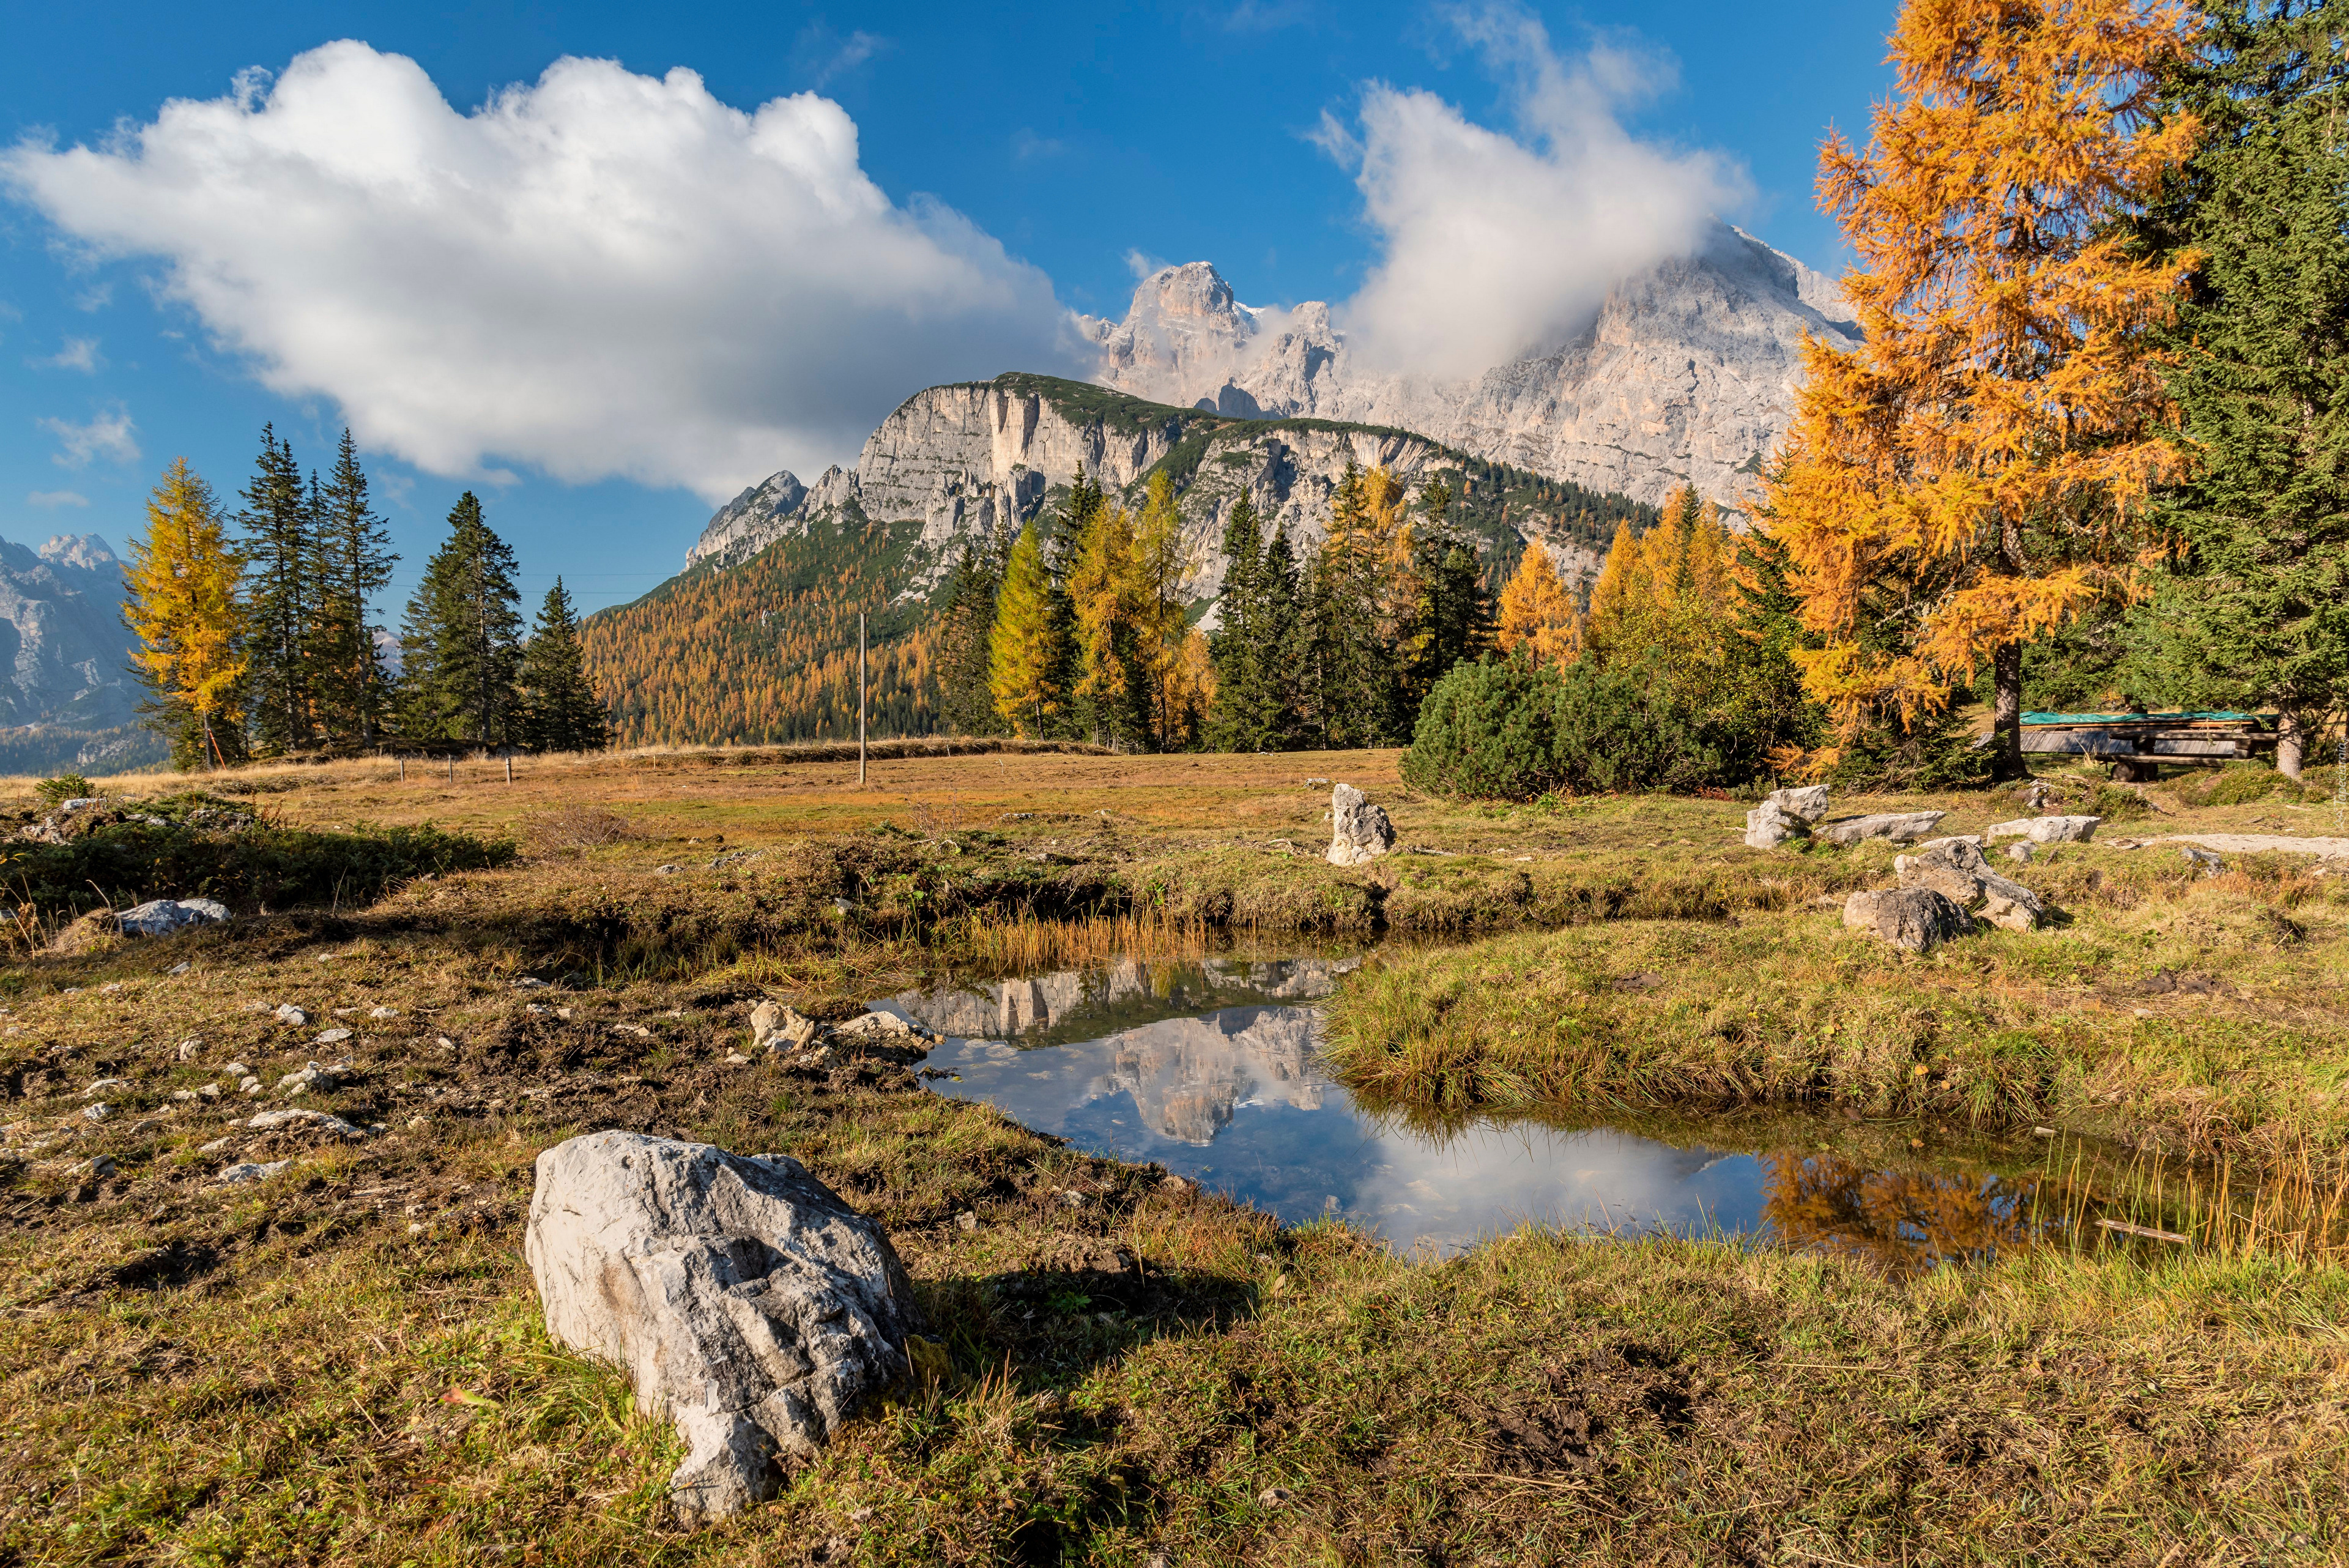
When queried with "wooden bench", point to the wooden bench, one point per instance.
{"points": [[2139, 743]]}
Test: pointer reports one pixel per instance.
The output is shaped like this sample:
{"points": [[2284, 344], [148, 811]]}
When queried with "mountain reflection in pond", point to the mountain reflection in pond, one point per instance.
{"points": [[1210, 1069]]}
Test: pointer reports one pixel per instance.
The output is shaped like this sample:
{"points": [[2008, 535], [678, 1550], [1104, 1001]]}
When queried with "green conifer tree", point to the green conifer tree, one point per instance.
{"points": [[560, 709], [966, 701], [353, 562], [1278, 646], [461, 642], [278, 521], [1234, 648], [2256, 610]]}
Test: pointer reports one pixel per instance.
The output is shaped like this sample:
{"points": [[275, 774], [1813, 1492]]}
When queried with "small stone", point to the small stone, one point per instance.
{"points": [[97, 1165], [966, 1221], [667, 871], [2042, 1132], [563, 1013], [218, 1146], [181, 968], [236, 1070], [414, 1123], [333, 1037], [289, 1013], [383, 1012], [190, 1046], [184, 1097], [97, 1112], [444, 1043], [296, 1116], [736, 1059], [2210, 862], [2021, 852], [635, 1030], [251, 1086], [98, 1084], [1073, 1199], [249, 1171], [529, 982], [161, 917], [110, 988], [535, 1007], [209, 1090], [1274, 1497]]}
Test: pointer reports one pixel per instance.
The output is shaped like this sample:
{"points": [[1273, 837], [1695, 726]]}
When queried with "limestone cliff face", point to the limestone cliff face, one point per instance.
{"points": [[1686, 375], [970, 460], [64, 651]]}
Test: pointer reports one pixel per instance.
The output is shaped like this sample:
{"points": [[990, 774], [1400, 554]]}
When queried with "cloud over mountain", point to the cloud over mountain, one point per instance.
{"points": [[599, 274], [1493, 244]]}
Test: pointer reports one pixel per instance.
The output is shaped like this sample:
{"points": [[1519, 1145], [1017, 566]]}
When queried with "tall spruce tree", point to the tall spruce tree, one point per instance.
{"points": [[966, 632], [1452, 615], [461, 642], [353, 559], [560, 709], [1234, 650], [1277, 721], [278, 522], [2256, 609]]}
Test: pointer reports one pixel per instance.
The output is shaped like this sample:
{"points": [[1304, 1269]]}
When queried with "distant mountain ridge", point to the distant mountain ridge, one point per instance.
{"points": [[68, 697], [1686, 374]]}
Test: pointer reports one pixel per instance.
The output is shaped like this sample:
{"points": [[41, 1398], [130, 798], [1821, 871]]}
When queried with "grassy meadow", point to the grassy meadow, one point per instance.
{"points": [[343, 1363]]}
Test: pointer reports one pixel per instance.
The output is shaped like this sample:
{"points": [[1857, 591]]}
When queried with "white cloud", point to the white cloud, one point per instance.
{"points": [[79, 354], [1497, 244], [57, 498], [1142, 263], [827, 55], [108, 434], [601, 274]]}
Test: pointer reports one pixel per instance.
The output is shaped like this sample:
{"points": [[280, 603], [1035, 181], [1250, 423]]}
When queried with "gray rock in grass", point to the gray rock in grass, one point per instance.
{"points": [[2047, 829], [1916, 919], [161, 917], [1902, 827], [754, 1308], [1359, 831], [1956, 869]]}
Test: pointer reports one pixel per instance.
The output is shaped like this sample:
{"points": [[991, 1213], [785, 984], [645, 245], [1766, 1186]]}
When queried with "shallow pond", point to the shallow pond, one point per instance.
{"points": [[1210, 1068]]}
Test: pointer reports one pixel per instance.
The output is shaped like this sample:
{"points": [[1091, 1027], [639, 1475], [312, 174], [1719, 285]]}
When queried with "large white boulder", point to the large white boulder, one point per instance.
{"points": [[1359, 831], [754, 1308]]}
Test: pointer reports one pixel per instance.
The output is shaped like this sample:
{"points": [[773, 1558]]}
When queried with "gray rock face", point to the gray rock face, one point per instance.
{"points": [[1359, 831], [1915, 919], [752, 1306], [1956, 869], [1902, 827], [161, 917], [1808, 804], [2048, 829], [1686, 374]]}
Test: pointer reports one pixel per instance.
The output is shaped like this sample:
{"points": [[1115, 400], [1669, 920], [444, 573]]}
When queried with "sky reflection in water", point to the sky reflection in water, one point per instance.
{"points": [[1210, 1068]]}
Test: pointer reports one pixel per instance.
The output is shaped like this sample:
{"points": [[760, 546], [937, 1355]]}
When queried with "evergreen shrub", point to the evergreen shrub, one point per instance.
{"points": [[1486, 732]]}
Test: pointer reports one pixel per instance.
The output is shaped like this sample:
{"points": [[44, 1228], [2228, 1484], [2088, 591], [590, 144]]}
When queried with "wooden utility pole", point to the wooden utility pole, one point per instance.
{"points": [[860, 698]]}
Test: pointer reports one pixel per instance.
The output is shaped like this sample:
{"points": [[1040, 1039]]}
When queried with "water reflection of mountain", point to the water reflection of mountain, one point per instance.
{"points": [[1188, 1074], [1076, 1004]]}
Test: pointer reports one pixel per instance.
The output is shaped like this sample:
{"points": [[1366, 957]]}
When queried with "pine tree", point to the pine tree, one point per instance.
{"points": [[1451, 616], [2256, 609], [1992, 443], [353, 564], [560, 711], [277, 524], [965, 700], [1537, 614], [462, 640], [1028, 651], [182, 605], [1233, 649]]}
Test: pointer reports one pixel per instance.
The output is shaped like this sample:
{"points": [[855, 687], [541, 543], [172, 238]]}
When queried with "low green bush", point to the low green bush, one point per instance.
{"points": [[186, 851]]}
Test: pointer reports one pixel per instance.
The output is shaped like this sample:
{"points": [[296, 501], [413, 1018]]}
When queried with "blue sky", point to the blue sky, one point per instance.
{"points": [[604, 304]]}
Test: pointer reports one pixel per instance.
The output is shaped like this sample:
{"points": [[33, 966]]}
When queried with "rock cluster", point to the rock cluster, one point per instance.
{"points": [[1954, 867], [1359, 831], [751, 1305], [800, 1042]]}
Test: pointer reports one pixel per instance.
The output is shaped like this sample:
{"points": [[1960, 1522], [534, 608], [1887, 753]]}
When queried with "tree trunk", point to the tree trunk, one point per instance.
{"points": [[2291, 745], [2006, 713]]}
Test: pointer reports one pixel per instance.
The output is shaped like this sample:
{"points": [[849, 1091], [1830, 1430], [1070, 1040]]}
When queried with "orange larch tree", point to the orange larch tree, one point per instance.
{"points": [[1537, 613], [1977, 471]]}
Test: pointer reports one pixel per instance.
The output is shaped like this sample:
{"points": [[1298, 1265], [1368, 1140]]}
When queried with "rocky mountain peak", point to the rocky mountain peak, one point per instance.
{"points": [[87, 551]]}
